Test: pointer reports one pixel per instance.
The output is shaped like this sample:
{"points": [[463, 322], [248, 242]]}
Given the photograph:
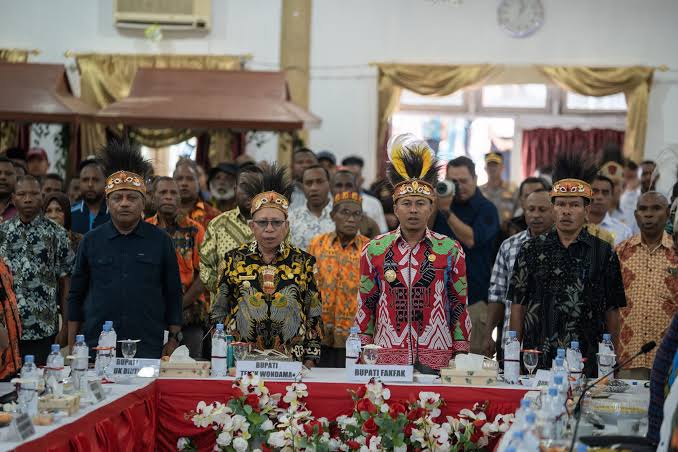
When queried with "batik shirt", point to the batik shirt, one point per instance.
{"points": [[226, 232], [38, 255], [10, 358], [339, 282], [186, 236], [304, 225], [276, 306], [203, 213], [413, 300], [651, 287], [566, 293]]}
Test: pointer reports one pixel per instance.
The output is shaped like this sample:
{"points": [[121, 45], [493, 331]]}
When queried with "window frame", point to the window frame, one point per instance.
{"points": [[564, 110]]}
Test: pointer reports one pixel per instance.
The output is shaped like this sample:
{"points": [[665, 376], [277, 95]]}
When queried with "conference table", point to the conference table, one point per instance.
{"points": [[150, 413]]}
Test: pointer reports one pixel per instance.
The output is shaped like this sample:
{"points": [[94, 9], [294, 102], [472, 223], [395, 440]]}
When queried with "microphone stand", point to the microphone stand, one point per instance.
{"points": [[577, 407]]}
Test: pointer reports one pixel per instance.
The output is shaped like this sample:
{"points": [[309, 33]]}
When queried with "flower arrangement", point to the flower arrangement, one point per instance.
{"points": [[256, 420]]}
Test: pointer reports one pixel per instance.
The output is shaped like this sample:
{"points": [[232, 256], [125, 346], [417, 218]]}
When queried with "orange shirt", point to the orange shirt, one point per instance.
{"points": [[651, 287], [187, 235], [9, 319], [338, 280], [203, 213]]}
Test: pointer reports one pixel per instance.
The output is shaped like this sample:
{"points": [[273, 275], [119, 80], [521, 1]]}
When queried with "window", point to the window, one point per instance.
{"points": [[616, 103], [165, 159], [412, 101], [515, 97]]}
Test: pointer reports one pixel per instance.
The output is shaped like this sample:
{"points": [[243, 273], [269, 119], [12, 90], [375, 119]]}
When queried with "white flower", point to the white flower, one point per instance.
{"points": [[386, 394], [277, 439], [267, 425], [182, 443], [375, 443], [224, 439], [239, 444], [384, 408]]}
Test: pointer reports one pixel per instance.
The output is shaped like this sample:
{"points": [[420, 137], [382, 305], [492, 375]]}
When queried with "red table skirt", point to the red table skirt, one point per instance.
{"points": [[127, 424], [154, 418], [177, 397]]}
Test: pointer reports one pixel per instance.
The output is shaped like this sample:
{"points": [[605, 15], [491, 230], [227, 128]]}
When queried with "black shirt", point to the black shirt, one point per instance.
{"points": [[566, 293], [481, 215], [130, 279]]}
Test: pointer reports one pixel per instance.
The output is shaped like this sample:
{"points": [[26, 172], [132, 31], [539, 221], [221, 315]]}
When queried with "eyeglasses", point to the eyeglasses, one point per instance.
{"points": [[263, 224], [348, 214]]}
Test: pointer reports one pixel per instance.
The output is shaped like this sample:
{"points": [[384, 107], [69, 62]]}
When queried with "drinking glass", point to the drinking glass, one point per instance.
{"points": [[531, 360], [129, 348]]}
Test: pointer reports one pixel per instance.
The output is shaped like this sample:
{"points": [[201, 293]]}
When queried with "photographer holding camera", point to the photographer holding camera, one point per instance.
{"points": [[467, 216]]}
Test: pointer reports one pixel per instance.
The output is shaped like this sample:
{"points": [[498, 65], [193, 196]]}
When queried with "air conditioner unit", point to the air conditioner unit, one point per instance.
{"points": [[168, 14]]}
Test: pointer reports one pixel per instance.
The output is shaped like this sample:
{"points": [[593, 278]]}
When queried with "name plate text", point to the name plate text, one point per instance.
{"points": [[364, 372], [269, 370]]}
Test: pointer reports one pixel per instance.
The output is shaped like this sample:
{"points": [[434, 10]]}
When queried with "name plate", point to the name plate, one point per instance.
{"points": [[364, 372], [270, 370], [131, 366], [97, 390], [22, 424]]}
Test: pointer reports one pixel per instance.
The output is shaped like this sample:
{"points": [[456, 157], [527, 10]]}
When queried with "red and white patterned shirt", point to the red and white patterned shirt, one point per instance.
{"points": [[412, 301]]}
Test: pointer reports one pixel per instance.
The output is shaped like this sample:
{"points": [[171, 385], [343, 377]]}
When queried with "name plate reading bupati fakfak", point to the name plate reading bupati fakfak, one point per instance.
{"points": [[270, 370], [394, 373]]}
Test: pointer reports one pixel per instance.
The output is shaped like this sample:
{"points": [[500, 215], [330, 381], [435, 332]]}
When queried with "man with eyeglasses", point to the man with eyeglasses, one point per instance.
{"points": [[338, 256], [267, 294]]}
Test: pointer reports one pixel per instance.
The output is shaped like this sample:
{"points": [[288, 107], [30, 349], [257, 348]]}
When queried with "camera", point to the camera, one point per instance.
{"points": [[446, 188]]}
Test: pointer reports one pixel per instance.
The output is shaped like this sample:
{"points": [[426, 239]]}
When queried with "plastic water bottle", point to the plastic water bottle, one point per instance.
{"points": [[79, 364], [522, 412], [353, 347], [512, 358], [559, 369], [219, 352], [607, 348], [575, 366], [530, 439], [563, 386], [55, 365], [28, 391], [113, 337], [102, 364], [560, 353], [551, 409]]}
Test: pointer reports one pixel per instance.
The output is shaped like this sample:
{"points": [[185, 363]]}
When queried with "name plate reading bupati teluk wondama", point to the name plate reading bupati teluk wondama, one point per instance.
{"points": [[394, 373], [270, 370]]}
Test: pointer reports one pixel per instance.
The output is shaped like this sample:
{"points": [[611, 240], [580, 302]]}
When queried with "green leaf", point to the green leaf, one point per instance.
{"points": [[364, 415], [248, 409]]}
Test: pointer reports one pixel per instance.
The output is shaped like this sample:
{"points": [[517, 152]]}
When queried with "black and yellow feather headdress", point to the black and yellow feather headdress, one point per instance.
{"points": [[412, 167], [272, 188]]}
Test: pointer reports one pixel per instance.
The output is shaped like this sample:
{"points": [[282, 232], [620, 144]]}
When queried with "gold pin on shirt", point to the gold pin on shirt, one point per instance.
{"points": [[431, 257], [390, 275]]}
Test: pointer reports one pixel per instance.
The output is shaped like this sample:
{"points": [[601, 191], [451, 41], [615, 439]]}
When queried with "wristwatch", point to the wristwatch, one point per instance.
{"points": [[178, 336]]}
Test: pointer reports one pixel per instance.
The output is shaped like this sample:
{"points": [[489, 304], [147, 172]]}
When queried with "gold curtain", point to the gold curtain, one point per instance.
{"points": [[634, 82], [9, 130], [428, 80], [106, 78]]}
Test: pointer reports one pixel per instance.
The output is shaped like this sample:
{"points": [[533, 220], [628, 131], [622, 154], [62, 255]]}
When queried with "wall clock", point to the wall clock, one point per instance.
{"points": [[520, 18]]}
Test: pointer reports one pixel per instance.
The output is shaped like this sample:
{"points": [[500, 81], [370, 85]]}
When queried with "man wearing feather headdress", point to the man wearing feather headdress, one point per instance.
{"points": [[126, 269], [413, 281], [567, 284], [268, 294]]}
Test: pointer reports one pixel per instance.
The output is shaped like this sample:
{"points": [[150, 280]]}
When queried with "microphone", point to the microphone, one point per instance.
{"points": [[646, 348]]}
